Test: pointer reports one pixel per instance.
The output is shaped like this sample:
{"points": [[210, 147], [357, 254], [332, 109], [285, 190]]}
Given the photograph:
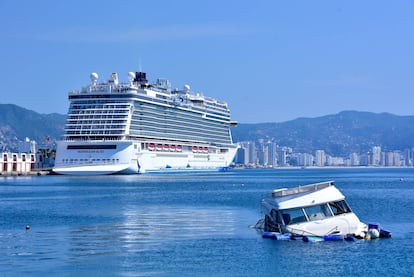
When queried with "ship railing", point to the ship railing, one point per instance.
{"points": [[98, 88], [123, 87], [301, 189]]}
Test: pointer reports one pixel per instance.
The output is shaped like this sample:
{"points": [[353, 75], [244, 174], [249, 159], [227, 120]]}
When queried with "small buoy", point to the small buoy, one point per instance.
{"points": [[27, 227], [374, 233]]}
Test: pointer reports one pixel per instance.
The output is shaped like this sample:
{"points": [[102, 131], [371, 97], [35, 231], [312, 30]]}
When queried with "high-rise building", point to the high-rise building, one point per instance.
{"points": [[271, 152], [376, 155], [408, 158], [397, 158], [304, 159], [281, 156], [354, 158], [262, 154], [320, 158]]}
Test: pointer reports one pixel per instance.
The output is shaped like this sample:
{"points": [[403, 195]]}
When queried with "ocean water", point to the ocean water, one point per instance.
{"points": [[194, 225]]}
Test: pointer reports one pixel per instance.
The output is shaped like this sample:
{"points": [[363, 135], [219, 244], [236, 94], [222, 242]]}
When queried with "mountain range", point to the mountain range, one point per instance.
{"points": [[17, 124], [337, 134]]}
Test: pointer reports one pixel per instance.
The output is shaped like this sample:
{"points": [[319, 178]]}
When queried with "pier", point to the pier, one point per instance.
{"points": [[21, 164]]}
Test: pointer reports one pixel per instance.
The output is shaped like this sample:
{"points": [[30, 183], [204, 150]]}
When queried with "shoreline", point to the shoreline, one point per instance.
{"points": [[25, 174], [324, 167], [47, 172]]}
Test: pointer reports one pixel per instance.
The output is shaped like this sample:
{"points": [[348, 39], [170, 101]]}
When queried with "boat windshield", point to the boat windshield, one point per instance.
{"points": [[339, 207], [318, 212], [312, 213], [293, 216]]}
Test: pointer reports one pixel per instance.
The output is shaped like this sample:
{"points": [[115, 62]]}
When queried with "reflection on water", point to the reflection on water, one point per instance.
{"points": [[152, 227], [141, 229]]}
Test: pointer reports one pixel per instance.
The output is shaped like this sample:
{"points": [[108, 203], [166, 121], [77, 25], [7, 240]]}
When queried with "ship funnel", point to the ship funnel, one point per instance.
{"points": [[94, 77], [141, 77]]}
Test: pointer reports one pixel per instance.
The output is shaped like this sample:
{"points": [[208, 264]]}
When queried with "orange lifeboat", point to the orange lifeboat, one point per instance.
{"points": [[159, 147], [151, 146], [166, 147], [179, 148], [172, 148]]}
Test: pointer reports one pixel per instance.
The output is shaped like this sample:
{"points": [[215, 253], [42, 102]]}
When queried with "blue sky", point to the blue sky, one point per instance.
{"points": [[271, 61]]}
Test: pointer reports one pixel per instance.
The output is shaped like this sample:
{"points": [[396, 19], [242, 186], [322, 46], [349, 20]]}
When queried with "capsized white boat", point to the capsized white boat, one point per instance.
{"points": [[315, 210]]}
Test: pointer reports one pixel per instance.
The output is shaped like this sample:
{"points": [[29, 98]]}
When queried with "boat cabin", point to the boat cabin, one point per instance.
{"points": [[312, 209]]}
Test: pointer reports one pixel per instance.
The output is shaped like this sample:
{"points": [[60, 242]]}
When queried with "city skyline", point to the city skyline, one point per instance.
{"points": [[264, 153], [268, 61]]}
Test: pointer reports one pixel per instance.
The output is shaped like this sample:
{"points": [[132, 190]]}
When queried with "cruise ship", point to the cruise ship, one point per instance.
{"points": [[135, 127]]}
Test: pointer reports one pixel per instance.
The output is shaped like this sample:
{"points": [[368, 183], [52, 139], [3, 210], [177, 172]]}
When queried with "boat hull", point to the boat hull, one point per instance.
{"points": [[343, 224], [94, 170], [132, 157]]}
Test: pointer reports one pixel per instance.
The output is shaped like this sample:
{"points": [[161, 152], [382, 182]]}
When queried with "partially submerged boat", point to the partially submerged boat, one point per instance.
{"points": [[313, 212]]}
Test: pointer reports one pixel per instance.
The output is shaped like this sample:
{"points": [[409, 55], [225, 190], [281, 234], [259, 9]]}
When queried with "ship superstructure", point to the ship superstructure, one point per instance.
{"points": [[137, 127]]}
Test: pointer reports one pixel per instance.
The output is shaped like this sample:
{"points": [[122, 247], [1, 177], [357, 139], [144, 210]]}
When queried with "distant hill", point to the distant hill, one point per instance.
{"points": [[338, 134], [17, 123]]}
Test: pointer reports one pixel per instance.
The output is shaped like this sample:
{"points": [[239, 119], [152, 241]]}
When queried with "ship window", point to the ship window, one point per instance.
{"points": [[318, 212], [87, 147], [339, 207], [293, 216], [273, 221], [276, 216], [270, 225]]}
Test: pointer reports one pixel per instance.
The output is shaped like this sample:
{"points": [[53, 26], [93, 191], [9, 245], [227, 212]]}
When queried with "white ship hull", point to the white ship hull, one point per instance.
{"points": [[129, 157]]}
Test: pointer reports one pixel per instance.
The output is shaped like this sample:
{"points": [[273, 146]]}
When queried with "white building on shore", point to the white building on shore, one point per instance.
{"points": [[17, 163]]}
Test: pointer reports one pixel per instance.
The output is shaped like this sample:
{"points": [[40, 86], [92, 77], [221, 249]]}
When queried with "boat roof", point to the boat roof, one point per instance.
{"points": [[303, 196]]}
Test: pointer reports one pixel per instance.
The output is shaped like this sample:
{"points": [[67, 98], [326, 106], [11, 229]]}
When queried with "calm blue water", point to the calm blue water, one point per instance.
{"points": [[194, 225]]}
